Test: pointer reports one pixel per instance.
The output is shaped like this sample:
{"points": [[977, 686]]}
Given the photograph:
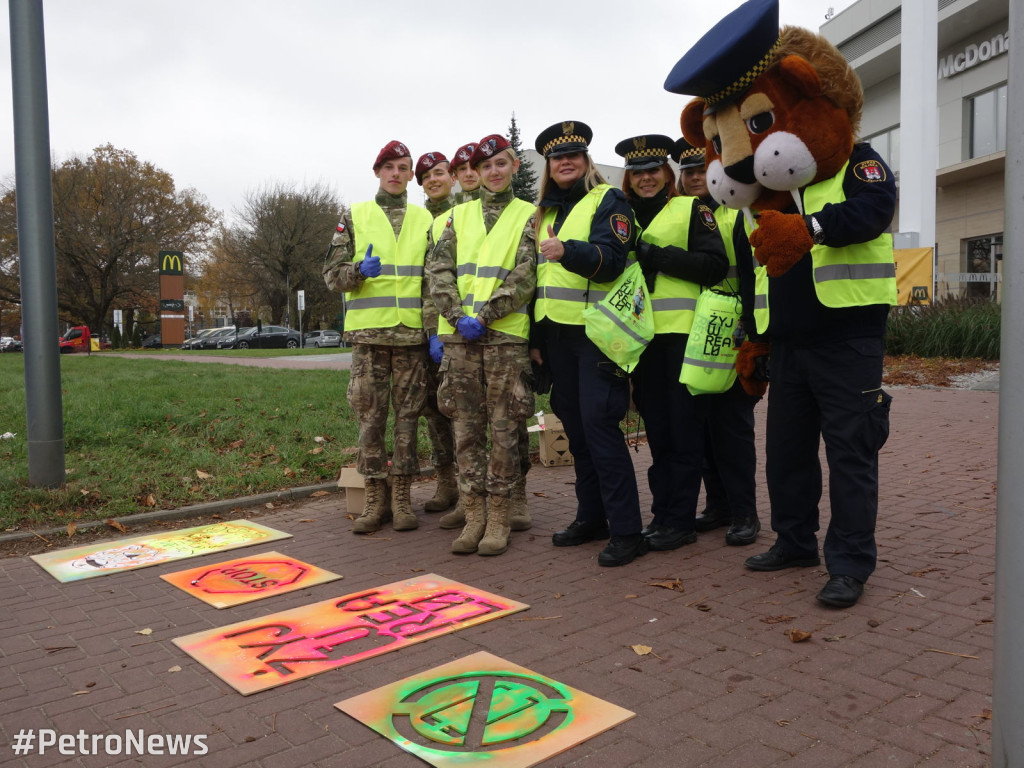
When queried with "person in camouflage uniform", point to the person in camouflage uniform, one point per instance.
{"points": [[376, 259], [465, 174], [433, 175], [482, 292]]}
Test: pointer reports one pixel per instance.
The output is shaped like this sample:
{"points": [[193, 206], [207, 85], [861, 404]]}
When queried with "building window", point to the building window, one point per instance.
{"points": [[887, 144], [988, 122], [982, 255]]}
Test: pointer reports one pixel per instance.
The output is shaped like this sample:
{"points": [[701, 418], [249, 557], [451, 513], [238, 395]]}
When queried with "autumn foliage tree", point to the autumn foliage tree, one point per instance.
{"points": [[113, 213]]}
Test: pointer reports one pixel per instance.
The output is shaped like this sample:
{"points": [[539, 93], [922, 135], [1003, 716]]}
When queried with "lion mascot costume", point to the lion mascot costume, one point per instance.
{"points": [[778, 112]]}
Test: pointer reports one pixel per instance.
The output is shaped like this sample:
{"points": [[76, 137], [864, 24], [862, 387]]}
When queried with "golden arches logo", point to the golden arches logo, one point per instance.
{"points": [[170, 263]]}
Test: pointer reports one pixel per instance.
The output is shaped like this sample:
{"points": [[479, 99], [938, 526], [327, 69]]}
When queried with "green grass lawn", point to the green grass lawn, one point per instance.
{"points": [[142, 434]]}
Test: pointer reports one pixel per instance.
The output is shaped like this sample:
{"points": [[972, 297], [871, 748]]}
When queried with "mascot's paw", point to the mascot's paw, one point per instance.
{"points": [[752, 367], [780, 241]]}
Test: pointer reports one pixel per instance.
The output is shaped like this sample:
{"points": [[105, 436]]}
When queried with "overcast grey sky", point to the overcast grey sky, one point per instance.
{"points": [[231, 95]]}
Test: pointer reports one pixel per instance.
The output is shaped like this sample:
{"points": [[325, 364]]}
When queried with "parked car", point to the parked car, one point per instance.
{"points": [[270, 337], [10, 344], [195, 342], [152, 341], [328, 338], [210, 341]]}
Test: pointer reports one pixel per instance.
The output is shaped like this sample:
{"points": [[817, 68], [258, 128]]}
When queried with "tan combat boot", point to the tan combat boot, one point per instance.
{"points": [[401, 504], [473, 506], [520, 519], [495, 540], [454, 519], [447, 491], [376, 510]]}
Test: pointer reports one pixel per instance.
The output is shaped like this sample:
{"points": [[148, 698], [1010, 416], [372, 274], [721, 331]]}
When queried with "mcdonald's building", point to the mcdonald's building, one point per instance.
{"points": [[972, 70]]}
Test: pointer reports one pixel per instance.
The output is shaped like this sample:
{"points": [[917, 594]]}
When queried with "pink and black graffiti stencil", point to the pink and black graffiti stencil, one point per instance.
{"points": [[263, 653], [107, 557], [485, 710], [245, 579]]}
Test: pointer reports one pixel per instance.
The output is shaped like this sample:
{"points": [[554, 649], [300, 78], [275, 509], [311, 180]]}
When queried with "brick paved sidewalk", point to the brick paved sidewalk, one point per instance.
{"points": [[901, 679]]}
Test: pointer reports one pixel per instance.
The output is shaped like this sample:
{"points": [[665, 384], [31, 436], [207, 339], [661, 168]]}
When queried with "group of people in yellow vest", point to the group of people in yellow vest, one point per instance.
{"points": [[460, 310]]}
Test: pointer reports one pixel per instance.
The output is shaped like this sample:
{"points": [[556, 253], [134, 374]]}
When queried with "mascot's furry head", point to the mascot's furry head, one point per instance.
{"points": [[777, 110]]}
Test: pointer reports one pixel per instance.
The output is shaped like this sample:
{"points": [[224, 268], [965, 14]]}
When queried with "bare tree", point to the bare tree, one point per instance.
{"points": [[279, 242]]}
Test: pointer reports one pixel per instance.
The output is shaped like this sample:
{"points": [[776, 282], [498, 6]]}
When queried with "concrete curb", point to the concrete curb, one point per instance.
{"points": [[183, 513]]}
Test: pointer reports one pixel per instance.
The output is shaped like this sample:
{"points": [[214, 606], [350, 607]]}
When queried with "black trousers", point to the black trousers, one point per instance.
{"points": [[590, 394], [730, 459], [674, 421], [832, 392]]}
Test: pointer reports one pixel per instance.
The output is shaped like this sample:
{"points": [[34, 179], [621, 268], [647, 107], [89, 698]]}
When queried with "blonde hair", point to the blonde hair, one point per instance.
{"points": [[591, 179]]}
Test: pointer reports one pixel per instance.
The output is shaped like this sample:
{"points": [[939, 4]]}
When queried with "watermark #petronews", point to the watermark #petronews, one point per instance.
{"points": [[30, 741]]}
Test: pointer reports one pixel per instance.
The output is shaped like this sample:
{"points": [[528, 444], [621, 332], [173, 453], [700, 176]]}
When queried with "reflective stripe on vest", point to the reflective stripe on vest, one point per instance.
{"points": [[563, 295], [484, 259], [673, 299], [394, 297], [852, 276]]}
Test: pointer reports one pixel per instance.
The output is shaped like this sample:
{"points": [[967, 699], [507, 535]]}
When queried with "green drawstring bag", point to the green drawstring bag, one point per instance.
{"points": [[622, 323], [709, 363]]}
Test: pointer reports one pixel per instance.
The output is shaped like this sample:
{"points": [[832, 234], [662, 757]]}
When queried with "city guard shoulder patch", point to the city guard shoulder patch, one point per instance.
{"points": [[870, 171], [707, 217], [621, 227]]}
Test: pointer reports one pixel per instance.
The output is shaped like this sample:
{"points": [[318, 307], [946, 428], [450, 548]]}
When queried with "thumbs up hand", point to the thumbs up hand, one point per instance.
{"points": [[370, 265], [551, 248]]}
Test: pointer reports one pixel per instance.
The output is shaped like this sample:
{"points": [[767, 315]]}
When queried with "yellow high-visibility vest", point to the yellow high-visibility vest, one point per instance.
{"points": [[852, 276], [563, 295], [485, 259], [394, 297]]}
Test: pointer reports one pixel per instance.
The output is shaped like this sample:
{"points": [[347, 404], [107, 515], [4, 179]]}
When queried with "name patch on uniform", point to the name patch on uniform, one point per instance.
{"points": [[870, 170], [707, 216], [620, 226]]}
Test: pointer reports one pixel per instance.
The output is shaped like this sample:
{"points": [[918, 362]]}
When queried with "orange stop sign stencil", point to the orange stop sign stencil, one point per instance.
{"points": [[245, 579]]}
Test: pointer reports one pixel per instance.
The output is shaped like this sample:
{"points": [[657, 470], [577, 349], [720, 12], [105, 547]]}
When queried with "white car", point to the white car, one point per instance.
{"points": [[318, 339]]}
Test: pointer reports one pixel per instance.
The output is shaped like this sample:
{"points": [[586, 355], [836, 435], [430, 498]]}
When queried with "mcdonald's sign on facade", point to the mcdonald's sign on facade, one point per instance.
{"points": [[171, 263]]}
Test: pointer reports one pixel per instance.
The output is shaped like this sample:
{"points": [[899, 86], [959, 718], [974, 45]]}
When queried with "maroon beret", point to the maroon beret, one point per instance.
{"points": [[426, 162], [393, 150], [489, 146], [462, 155]]}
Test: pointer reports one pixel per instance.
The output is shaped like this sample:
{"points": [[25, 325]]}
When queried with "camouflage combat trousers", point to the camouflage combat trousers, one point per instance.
{"points": [[439, 426], [382, 377], [487, 386]]}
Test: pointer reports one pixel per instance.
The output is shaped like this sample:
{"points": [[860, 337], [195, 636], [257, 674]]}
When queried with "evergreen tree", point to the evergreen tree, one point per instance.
{"points": [[524, 183]]}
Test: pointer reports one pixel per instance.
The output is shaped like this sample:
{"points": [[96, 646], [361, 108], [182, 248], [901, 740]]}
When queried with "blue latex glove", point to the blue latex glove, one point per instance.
{"points": [[470, 328], [370, 265], [436, 349]]}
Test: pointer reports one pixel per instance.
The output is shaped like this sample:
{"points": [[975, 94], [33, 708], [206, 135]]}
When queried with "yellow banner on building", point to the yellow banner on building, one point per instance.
{"points": [[914, 275]]}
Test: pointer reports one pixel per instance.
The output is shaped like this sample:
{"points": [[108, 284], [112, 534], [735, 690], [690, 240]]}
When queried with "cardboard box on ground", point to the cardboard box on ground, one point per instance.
{"points": [[554, 445], [554, 452], [355, 490]]}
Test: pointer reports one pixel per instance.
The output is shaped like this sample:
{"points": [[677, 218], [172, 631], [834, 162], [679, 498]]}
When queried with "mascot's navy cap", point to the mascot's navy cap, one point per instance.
{"points": [[564, 138], [643, 152], [723, 63], [687, 155]]}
